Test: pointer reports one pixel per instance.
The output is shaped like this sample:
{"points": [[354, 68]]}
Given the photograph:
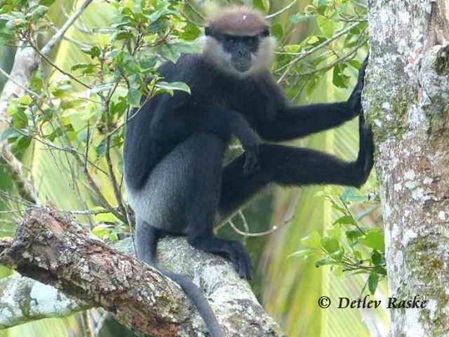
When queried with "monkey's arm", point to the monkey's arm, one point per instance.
{"points": [[224, 122], [297, 121], [169, 126], [140, 152]]}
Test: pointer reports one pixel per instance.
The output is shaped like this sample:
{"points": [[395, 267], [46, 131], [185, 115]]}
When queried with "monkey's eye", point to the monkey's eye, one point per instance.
{"points": [[230, 39], [251, 42], [265, 33]]}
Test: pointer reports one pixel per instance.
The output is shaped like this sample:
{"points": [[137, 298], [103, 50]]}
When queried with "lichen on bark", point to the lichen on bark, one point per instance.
{"points": [[407, 101]]}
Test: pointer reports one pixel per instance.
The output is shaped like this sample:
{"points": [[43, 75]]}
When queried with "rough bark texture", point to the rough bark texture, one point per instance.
{"points": [[23, 300], [407, 100], [54, 251]]}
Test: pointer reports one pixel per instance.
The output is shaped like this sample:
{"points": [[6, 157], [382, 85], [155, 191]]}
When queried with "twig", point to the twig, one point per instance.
{"points": [[257, 234], [62, 71], [24, 186], [338, 60], [306, 53], [69, 212], [58, 36], [286, 8], [4, 73], [70, 150]]}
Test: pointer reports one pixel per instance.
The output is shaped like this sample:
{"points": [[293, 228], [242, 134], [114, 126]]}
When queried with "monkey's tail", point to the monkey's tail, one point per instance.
{"points": [[191, 290]]}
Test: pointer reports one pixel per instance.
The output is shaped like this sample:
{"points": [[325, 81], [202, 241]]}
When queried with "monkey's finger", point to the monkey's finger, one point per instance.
{"points": [[365, 159], [362, 71], [245, 266], [241, 260], [233, 255], [251, 164]]}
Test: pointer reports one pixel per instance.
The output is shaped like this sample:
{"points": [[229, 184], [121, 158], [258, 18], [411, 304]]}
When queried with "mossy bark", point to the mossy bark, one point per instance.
{"points": [[407, 101]]}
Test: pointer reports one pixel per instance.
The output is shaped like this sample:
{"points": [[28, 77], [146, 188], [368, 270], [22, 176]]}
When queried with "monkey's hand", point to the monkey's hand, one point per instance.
{"points": [[249, 140], [365, 158], [251, 164], [355, 100]]}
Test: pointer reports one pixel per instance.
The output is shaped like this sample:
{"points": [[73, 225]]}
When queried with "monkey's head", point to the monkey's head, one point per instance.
{"points": [[238, 41]]}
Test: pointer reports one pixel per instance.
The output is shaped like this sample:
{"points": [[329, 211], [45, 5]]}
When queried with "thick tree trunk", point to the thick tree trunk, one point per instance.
{"points": [[407, 100]]}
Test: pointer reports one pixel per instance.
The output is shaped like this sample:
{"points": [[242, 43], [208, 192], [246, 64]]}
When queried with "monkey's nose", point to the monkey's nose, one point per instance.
{"points": [[243, 53]]}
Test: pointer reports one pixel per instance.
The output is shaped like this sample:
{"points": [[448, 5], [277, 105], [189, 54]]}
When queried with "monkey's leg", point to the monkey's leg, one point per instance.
{"points": [[146, 242], [289, 166], [202, 201]]}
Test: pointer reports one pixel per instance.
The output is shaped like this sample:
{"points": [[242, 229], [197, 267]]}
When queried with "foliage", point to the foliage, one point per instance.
{"points": [[338, 34], [349, 245], [122, 59]]}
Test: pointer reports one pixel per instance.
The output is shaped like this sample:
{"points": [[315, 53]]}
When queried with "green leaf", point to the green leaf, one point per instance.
{"points": [[326, 26], [322, 3], [380, 270], [344, 220], [331, 245], [277, 31], [190, 32], [335, 232], [101, 148], [339, 79], [101, 230], [313, 240], [355, 64], [373, 280], [374, 239], [376, 258], [119, 107], [103, 87], [25, 100], [61, 89], [303, 253], [16, 23], [299, 17], [22, 144], [134, 96], [19, 119], [292, 48], [357, 255], [173, 86], [338, 271], [123, 35], [47, 3], [95, 51], [354, 234], [39, 12], [9, 133], [338, 255], [263, 5], [324, 261], [86, 68], [352, 194]]}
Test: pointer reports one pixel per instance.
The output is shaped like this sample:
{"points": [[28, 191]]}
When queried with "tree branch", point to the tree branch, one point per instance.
{"points": [[60, 33], [24, 300], [54, 251]]}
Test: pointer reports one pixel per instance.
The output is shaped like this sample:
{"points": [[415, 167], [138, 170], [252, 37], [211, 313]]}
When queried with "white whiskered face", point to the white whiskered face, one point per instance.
{"points": [[264, 57], [238, 55]]}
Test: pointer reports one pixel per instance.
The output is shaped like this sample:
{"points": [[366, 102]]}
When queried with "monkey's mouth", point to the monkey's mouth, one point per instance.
{"points": [[242, 64]]}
